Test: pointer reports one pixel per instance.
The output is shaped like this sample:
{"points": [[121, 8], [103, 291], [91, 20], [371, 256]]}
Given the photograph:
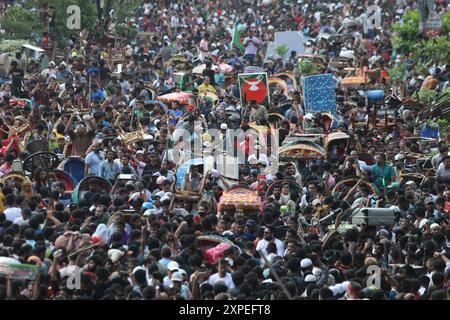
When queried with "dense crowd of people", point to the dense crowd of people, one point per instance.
{"points": [[141, 242]]}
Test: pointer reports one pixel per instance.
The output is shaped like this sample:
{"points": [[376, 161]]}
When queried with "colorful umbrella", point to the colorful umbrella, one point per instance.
{"points": [[181, 97]]}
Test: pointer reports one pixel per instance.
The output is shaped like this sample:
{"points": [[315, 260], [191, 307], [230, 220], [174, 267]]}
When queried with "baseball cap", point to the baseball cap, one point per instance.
{"points": [[306, 263], [223, 126], [316, 202], [177, 276], [309, 116], [251, 223], [399, 157], [410, 183], [190, 107], [172, 266], [429, 200], [139, 152]]}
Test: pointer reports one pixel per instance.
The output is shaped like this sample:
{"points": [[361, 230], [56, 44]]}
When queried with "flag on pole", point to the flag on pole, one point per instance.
{"points": [[236, 40]]}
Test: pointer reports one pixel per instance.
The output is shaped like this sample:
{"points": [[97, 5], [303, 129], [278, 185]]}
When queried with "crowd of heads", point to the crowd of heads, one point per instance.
{"points": [[145, 238]]}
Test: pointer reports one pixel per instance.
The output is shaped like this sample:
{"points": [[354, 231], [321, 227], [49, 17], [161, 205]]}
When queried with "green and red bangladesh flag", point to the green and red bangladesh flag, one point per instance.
{"points": [[254, 86], [237, 39]]}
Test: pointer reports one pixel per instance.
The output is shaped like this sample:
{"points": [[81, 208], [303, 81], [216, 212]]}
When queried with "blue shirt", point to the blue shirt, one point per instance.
{"points": [[219, 79], [92, 70], [94, 160], [97, 93], [109, 170], [175, 113]]}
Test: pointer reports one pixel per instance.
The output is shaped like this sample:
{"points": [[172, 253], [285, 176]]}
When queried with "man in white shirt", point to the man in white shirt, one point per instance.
{"points": [[251, 44], [204, 48], [222, 275], [93, 160], [172, 267], [269, 237], [12, 212], [437, 159]]}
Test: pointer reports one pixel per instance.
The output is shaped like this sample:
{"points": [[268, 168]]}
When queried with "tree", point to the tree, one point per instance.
{"points": [[282, 51], [19, 23], [306, 67]]}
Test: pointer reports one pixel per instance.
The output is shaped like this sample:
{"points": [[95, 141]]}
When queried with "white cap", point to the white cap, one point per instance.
{"points": [[309, 116], [160, 194], [316, 202], [223, 126], [306, 263], [399, 157], [164, 198], [252, 159], [317, 271], [434, 226], [177, 276], [150, 212], [179, 36], [160, 179], [166, 38], [410, 183], [140, 152], [115, 254], [169, 194], [172, 266], [310, 278]]}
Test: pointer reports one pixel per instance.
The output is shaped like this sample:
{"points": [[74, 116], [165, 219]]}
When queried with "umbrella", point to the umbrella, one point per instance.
{"points": [[181, 97]]}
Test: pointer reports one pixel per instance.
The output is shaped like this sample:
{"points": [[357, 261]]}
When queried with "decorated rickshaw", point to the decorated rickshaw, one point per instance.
{"points": [[181, 97], [180, 190], [240, 198]]}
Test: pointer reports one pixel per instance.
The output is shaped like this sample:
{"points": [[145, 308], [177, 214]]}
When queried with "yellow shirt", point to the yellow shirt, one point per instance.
{"points": [[206, 87]]}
